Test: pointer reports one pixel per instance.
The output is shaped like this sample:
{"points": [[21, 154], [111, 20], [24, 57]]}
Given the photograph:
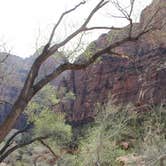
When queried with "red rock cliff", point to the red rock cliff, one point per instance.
{"points": [[142, 81]]}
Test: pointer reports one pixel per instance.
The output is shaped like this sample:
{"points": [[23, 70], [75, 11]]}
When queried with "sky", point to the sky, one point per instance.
{"points": [[26, 24]]}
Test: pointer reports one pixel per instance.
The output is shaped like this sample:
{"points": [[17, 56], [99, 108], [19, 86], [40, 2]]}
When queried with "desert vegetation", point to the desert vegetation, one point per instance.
{"points": [[100, 105]]}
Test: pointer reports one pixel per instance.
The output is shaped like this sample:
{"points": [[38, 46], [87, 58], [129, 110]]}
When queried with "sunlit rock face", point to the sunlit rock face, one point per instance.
{"points": [[140, 80]]}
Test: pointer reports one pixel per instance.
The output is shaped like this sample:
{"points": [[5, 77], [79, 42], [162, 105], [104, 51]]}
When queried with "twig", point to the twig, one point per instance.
{"points": [[109, 28], [49, 148], [60, 19]]}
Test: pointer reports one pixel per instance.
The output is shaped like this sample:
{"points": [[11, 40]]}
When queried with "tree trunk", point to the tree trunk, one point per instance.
{"points": [[10, 121]]}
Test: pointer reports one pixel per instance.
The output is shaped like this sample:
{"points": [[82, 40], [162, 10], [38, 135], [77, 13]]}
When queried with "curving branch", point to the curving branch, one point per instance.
{"points": [[49, 148], [60, 19], [78, 66], [10, 140], [151, 19], [5, 153], [120, 8], [125, 14], [98, 27], [18, 146], [83, 27]]}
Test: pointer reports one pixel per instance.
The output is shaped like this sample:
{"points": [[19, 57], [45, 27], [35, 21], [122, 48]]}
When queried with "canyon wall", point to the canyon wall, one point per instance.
{"points": [[140, 80]]}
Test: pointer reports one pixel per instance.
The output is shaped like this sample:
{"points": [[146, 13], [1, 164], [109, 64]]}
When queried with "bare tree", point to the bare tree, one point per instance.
{"points": [[31, 86]]}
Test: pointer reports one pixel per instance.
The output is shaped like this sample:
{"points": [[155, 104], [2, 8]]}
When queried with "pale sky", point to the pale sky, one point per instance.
{"points": [[26, 24]]}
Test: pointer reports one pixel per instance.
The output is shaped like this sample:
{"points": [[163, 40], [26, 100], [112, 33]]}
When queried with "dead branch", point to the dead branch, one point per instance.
{"points": [[107, 28], [121, 9], [131, 7], [10, 140], [125, 14], [49, 148], [77, 66], [18, 146], [60, 19]]}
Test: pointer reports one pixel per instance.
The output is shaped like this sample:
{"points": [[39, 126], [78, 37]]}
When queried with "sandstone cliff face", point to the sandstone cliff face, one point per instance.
{"points": [[139, 81]]}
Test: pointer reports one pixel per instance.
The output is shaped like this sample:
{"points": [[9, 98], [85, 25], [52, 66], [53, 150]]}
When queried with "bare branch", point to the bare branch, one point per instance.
{"points": [[79, 43], [125, 13], [129, 18], [70, 66], [9, 151], [151, 19], [98, 6], [49, 148], [79, 30], [9, 141], [117, 16], [131, 7], [4, 59], [104, 27], [60, 19], [121, 9]]}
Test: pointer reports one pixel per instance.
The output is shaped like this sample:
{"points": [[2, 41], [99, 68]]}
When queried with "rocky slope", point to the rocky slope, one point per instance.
{"points": [[139, 81]]}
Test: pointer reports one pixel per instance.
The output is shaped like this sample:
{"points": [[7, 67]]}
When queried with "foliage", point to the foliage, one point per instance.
{"points": [[50, 122], [103, 141], [97, 140], [151, 135], [117, 133], [47, 120]]}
